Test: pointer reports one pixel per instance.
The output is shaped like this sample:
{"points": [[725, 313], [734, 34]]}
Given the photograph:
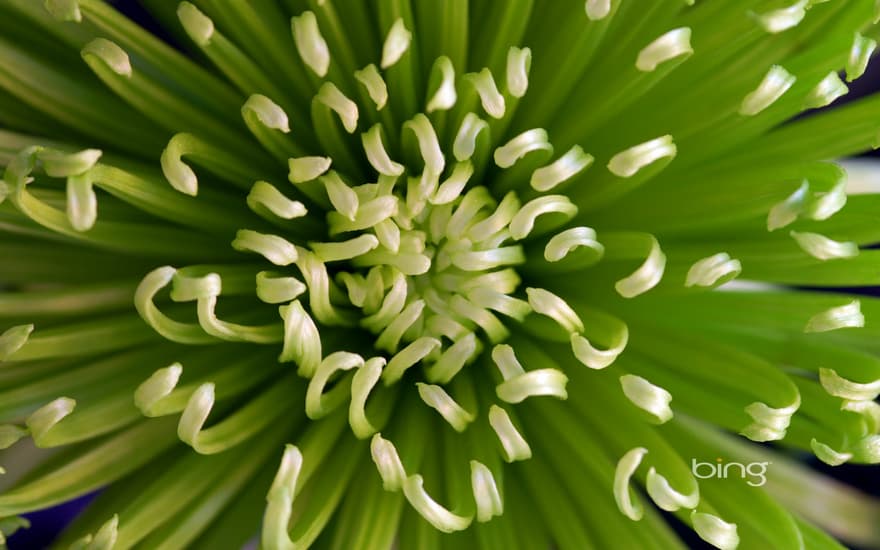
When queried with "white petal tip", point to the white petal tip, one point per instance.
{"points": [[776, 82], [396, 44], [672, 45], [197, 25], [631, 161], [846, 316], [713, 271], [715, 531], [110, 54], [597, 9]]}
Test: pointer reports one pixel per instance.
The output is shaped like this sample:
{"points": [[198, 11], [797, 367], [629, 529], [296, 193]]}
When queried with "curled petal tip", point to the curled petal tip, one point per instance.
{"points": [[318, 402], [46, 417], [531, 140], [197, 25], [623, 495], [839, 386], [666, 497], [845, 316], [388, 463], [82, 203], [534, 383], [60, 164], [550, 305], [776, 82], [276, 249], [647, 276], [345, 108], [826, 92], [823, 248], [374, 84], [434, 513], [674, 44], [110, 54], [597, 9], [542, 214], [519, 61], [265, 197], [859, 56], [563, 169], [451, 188], [445, 95], [867, 450], [770, 424], [302, 341], [178, 173], [631, 161], [428, 143], [64, 10], [362, 384], [377, 155], [150, 285], [466, 139], [305, 169], [195, 414], [513, 446], [310, 43], [276, 520], [396, 44], [491, 99], [159, 385], [561, 244], [713, 271], [828, 455], [649, 397], [343, 198], [776, 21], [409, 357], [13, 339], [787, 211], [267, 112], [436, 397], [288, 471], [715, 531], [596, 358], [10, 434], [486, 495], [275, 289], [105, 538]]}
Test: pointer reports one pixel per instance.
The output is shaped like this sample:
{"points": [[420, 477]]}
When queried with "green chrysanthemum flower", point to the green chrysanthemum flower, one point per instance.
{"points": [[384, 233]]}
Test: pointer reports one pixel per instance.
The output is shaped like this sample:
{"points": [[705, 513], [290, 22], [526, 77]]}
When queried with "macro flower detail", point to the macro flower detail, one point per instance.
{"points": [[422, 274]]}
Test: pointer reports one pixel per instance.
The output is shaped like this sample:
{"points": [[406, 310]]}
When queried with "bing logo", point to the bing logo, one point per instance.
{"points": [[753, 472]]}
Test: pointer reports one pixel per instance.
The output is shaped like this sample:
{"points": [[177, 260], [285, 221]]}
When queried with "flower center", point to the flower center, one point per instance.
{"points": [[428, 266]]}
